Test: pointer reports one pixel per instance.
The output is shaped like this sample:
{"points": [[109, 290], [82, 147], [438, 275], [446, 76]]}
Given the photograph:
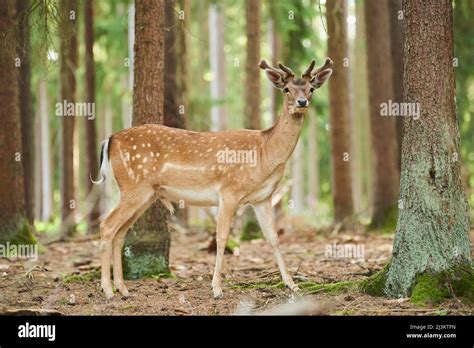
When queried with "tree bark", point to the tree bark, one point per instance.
{"points": [[396, 46], [26, 105], [217, 60], [297, 177], [14, 226], [252, 71], [172, 117], [46, 176], [339, 106], [90, 125], [432, 240], [68, 64], [364, 175], [147, 245], [313, 162], [383, 131]]}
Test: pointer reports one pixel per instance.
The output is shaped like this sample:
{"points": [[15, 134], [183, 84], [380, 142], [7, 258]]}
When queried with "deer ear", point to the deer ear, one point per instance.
{"points": [[321, 77], [275, 78]]}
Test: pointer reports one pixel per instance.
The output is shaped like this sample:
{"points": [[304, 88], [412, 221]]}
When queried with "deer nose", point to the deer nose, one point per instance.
{"points": [[302, 102]]}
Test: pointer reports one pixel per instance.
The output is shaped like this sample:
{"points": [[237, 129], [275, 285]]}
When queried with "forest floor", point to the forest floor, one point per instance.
{"points": [[65, 280]]}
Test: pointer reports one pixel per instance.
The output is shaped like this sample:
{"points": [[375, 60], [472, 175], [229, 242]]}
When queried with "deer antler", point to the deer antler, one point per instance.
{"points": [[307, 73], [327, 64], [284, 71], [289, 73]]}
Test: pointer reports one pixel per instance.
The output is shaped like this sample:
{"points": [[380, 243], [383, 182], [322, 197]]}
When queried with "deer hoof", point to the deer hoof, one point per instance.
{"points": [[107, 290], [217, 293]]}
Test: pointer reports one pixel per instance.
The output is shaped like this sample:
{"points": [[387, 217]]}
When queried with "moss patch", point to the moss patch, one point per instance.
{"points": [[375, 284], [331, 288], [266, 284], [82, 278], [432, 289], [145, 266]]}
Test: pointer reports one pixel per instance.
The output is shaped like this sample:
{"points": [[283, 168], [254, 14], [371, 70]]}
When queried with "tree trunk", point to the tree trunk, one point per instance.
{"points": [[252, 71], [363, 176], [14, 226], [183, 61], [338, 50], [172, 117], [90, 125], [313, 162], [383, 131], [68, 63], [147, 246], [431, 252], [26, 105], [46, 176], [297, 177], [396, 46], [217, 58]]}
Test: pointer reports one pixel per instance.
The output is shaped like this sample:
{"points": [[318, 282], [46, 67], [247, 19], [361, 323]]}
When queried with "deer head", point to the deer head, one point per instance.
{"points": [[298, 91]]}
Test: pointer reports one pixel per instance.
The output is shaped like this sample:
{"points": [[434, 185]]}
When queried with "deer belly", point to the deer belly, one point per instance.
{"points": [[200, 197]]}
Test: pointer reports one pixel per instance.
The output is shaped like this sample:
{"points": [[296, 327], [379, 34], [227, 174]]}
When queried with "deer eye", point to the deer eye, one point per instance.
{"points": [[311, 89], [286, 90]]}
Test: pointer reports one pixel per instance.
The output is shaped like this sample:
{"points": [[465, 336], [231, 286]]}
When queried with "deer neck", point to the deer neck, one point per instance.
{"points": [[282, 137]]}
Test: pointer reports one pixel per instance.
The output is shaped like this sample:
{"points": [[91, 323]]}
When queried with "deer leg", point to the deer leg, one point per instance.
{"points": [[117, 246], [224, 219], [264, 214], [108, 230]]}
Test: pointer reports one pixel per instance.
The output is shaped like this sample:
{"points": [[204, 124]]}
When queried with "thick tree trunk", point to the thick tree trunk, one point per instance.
{"points": [[90, 125], [147, 246], [338, 50], [384, 138], [252, 73], [396, 46], [431, 253], [26, 105], [217, 60], [68, 63], [14, 226], [172, 117]]}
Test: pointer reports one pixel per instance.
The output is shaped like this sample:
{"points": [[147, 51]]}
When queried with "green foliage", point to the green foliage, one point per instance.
{"points": [[251, 231]]}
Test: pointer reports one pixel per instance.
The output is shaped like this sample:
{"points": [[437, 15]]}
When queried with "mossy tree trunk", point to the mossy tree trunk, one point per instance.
{"points": [[339, 105], [14, 226], [431, 254], [383, 132], [147, 244]]}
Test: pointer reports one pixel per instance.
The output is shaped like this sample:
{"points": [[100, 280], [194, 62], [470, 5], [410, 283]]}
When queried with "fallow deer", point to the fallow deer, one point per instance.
{"points": [[225, 169]]}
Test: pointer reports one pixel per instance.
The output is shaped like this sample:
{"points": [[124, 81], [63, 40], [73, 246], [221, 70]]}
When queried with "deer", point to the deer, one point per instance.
{"points": [[227, 169]]}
